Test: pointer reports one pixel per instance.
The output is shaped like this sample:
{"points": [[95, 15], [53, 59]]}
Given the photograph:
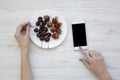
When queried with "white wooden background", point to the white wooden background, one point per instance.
{"points": [[103, 33]]}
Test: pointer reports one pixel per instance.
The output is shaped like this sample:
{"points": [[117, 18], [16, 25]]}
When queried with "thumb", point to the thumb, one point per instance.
{"points": [[27, 30]]}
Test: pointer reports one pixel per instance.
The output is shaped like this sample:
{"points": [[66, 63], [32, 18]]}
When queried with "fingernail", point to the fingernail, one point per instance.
{"points": [[29, 24], [80, 59]]}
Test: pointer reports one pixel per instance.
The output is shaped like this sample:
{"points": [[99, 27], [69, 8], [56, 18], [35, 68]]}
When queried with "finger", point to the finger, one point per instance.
{"points": [[85, 62], [20, 27], [27, 30], [95, 53], [99, 54], [92, 54], [84, 53], [18, 30], [24, 24]]}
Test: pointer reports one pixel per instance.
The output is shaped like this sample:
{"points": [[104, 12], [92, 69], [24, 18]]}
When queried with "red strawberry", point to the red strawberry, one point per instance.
{"points": [[47, 18], [52, 29], [54, 36], [49, 24], [57, 25], [58, 31], [54, 20]]}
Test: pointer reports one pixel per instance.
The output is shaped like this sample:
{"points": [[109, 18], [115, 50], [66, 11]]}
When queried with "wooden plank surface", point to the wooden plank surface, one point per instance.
{"points": [[103, 33]]}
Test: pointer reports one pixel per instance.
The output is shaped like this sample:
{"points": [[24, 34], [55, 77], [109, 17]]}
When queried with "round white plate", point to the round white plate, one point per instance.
{"points": [[52, 43]]}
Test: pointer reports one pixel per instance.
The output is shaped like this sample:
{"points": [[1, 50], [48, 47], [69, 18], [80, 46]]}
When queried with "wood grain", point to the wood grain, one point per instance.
{"points": [[103, 30]]}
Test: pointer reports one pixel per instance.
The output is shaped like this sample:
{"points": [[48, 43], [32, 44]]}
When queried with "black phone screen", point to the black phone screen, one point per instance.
{"points": [[79, 34]]}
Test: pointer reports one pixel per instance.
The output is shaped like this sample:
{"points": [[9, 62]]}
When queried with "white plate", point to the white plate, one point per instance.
{"points": [[52, 43]]}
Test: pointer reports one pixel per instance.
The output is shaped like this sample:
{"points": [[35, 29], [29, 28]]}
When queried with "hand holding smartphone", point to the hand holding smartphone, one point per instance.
{"points": [[79, 35]]}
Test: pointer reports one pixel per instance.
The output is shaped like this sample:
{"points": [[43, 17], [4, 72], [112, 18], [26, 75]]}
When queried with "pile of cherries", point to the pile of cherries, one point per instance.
{"points": [[46, 28]]}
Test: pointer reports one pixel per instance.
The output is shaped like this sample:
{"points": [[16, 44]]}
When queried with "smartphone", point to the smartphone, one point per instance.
{"points": [[79, 35]]}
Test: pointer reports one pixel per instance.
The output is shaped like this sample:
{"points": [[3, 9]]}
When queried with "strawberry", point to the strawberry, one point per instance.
{"points": [[46, 18], [54, 36], [49, 24], [54, 20], [52, 29], [58, 31], [57, 25]]}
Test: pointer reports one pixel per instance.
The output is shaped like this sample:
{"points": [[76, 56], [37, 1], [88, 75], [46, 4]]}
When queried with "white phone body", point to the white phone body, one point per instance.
{"points": [[78, 47]]}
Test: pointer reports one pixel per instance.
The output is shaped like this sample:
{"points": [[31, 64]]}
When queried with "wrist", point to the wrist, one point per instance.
{"points": [[24, 52], [105, 76]]}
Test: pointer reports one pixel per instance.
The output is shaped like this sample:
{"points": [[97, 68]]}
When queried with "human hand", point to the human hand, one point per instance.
{"points": [[95, 63], [22, 36]]}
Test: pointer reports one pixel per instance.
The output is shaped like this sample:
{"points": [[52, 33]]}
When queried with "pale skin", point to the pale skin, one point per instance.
{"points": [[93, 60], [23, 41]]}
